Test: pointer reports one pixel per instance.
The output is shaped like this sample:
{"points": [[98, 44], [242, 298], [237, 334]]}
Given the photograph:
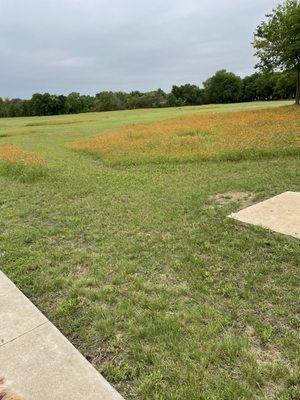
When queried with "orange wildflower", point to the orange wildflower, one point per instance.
{"points": [[199, 136], [14, 154]]}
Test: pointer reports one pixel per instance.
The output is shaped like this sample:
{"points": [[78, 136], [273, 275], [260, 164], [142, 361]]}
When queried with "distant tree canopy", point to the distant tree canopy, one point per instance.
{"points": [[277, 41], [277, 44], [222, 87], [187, 95]]}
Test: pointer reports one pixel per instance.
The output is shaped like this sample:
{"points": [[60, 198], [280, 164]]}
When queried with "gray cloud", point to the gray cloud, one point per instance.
{"points": [[61, 46]]}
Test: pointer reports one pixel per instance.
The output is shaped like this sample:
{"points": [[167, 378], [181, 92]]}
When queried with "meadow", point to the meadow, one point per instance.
{"points": [[230, 136], [115, 225]]}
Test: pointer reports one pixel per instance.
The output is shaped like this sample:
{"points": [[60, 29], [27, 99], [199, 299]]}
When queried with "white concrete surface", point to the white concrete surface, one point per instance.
{"points": [[280, 214], [37, 361], [11, 300]]}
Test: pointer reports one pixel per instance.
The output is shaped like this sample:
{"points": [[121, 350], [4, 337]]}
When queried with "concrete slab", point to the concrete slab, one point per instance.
{"points": [[37, 361], [12, 303], [280, 214]]}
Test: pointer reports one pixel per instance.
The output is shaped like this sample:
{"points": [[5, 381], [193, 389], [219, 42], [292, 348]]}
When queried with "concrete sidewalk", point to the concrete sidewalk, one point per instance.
{"points": [[280, 213], [37, 361]]}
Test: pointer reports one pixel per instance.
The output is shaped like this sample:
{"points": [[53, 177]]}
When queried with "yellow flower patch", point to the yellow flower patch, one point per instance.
{"points": [[232, 135]]}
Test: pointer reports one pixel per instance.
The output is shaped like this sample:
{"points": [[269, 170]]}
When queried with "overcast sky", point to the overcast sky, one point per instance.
{"points": [[59, 46]]}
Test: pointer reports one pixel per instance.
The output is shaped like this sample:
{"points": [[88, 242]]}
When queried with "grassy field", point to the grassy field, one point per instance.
{"points": [[141, 269], [230, 136]]}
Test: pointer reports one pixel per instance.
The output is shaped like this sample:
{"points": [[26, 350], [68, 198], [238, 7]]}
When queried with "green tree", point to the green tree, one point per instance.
{"points": [[40, 104], [73, 103], [250, 87], [285, 85], [106, 101], [223, 87], [277, 41], [188, 94], [265, 85]]}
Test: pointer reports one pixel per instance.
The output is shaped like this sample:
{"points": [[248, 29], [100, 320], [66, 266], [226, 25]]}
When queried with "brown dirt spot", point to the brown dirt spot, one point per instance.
{"points": [[250, 330], [267, 354], [99, 356], [221, 199], [264, 353]]}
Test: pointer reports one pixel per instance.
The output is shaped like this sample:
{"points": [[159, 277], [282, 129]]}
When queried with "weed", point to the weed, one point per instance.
{"points": [[140, 267], [17, 163], [223, 136]]}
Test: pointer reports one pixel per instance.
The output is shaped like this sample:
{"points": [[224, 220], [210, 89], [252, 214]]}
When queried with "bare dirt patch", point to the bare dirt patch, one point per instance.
{"points": [[267, 354], [222, 199]]}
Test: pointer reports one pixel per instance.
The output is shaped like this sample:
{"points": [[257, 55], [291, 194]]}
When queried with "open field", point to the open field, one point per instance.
{"points": [[139, 266], [221, 136]]}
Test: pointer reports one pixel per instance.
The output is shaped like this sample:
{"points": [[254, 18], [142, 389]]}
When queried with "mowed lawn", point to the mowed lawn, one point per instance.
{"points": [[140, 267]]}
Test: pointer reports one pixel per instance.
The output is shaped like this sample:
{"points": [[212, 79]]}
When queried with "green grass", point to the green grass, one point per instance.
{"points": [[142, 270], [23, 172]]}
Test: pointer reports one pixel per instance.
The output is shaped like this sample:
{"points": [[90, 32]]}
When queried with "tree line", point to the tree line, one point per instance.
{"points": [[277, 45], [222, 87]]}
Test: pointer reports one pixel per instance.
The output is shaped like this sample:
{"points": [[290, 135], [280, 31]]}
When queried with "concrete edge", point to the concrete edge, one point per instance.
{"points": [[54, 363]]}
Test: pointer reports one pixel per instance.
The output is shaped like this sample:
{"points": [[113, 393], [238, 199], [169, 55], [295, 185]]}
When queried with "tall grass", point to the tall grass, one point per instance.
{"points": [[12, 132], [22, 165], [232, 136]]}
